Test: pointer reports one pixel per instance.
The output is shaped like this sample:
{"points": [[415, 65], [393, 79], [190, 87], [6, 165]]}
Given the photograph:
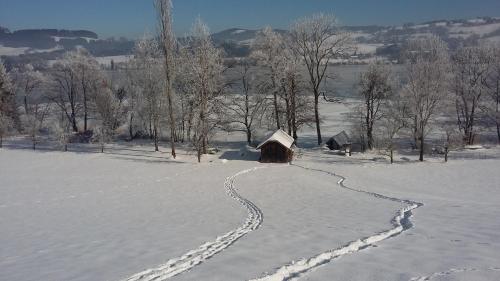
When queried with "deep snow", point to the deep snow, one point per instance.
{"points": [[89, 216], [85, 216]]}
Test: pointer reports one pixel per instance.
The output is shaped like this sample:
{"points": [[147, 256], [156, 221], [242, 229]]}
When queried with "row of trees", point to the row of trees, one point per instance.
{"points": [[189, 90], [435, 86]]}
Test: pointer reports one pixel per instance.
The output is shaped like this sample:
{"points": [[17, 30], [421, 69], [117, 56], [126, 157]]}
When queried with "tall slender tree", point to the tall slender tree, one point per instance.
{"points": [[168, 46], [375, 88]]}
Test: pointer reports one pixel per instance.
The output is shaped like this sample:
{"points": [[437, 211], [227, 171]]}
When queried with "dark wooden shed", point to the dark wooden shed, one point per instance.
{"points": [[339, 142], [277, 148]]}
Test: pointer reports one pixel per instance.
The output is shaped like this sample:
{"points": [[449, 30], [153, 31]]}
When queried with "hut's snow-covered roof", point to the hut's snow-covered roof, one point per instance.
{"points": [[281, 137], [342, 138]]}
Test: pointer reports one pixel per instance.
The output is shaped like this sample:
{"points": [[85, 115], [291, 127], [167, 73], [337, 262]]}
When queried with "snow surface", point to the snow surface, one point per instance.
{"points": [[116, 59], [58, 38], [239, 31], [8, 51], [135, 214]]}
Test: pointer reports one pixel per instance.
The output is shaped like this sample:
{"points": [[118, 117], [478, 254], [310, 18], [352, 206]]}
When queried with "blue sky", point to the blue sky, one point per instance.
{"points": [[131, 18]]}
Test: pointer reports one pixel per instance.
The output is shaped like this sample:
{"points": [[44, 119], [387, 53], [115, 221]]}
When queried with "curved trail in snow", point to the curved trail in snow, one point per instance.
{"points": [[453, 271], [401, 222], [195, 257]]}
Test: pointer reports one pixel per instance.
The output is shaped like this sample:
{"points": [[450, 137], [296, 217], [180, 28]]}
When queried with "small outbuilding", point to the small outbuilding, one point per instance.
{"points": [[340, 142], [277, 148]]}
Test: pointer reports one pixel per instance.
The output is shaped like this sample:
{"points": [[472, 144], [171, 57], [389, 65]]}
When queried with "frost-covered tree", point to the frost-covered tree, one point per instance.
{"points": [[267, 50], [88, 76], [492, 106], [75, 76], [318, 40], [298, 106], [168, 46], [470, 66], [146, 77], [6, 125], [205, 69], [109, 109], [62, 132], [33, 122], [26, 80], [427, 67], [7, 97], [375, 88]]}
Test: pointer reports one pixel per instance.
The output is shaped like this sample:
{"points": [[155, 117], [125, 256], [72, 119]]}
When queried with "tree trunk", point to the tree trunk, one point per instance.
{"points": [[205, 145], [73, 123], [249, 136], [422, 144], [198, 150], [85, 113], [171, 116], [392, 155], [156, 138], [446, 154], [276, 110], [316, 116], [131, 127], [26, 104], [1, 141], [498, 132], [369, 136]]}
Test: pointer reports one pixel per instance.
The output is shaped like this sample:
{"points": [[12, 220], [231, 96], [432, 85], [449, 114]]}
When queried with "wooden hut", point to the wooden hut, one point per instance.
{"points": [[340, 142], [277, 148]]}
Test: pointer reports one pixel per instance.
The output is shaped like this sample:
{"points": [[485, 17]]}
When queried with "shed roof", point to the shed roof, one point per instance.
{"points": [[281, 137], [342, 138]]}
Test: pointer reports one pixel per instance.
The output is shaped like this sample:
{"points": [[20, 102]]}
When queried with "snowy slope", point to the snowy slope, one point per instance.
{"points": [[88, 216]]}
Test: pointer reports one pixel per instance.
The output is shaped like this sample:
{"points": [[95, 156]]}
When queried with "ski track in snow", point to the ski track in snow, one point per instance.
{"points": [[453, 271], [195, 257], [401, 222]]}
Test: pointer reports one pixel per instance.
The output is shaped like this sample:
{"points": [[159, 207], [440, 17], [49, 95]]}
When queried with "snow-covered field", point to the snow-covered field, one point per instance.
{"points": [[85, 216], [132, 214], [9, 51]]}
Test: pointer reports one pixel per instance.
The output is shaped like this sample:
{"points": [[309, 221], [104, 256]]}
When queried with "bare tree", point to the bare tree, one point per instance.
{"points": [[168, 45], [427, 64], [65, 89], [375, 88], [267, 49], [470, 67], [246, 108], [392, 122], [87, 71], [319, 40]]}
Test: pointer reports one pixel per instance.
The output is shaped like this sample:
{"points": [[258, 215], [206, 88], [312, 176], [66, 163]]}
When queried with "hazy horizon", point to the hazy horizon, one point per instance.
{"points": [[131, 19]]}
